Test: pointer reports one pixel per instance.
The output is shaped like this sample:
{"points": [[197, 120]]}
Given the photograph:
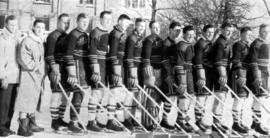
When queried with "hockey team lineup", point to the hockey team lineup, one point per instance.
{"points": [[135, 72]]}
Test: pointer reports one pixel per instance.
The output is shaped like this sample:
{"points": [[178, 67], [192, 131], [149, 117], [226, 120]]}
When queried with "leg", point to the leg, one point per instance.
{"points": [[76, 101], [94, 99], [24, 129], [182, 118], [112, 101], [166, 110], [11, 104]]}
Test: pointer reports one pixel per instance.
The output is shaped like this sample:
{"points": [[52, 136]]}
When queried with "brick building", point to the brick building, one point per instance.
{"points": [[28, 10]]}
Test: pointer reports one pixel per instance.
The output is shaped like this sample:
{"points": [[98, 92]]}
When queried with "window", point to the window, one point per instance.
{"points": [[142, 3], [87, 2], [3, 0], [47, 22], [2, 21], [43, 1], [135, 3]]}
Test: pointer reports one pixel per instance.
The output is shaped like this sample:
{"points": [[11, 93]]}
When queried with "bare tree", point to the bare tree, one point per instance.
{"points": [[266, 6]]}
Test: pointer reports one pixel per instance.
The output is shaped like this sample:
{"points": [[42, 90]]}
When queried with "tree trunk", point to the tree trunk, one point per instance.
{"points": [[154, 9]]}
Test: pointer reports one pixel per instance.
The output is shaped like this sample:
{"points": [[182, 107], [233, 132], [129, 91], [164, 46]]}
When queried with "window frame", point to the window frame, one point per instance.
{"points": [[43, 2]]}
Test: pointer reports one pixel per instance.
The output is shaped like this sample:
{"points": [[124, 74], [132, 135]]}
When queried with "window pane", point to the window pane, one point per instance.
{"points": [[127, 3], [134, 3], [81, 1], [89, 2], [43, 1], [142, 3], [2, 21]]}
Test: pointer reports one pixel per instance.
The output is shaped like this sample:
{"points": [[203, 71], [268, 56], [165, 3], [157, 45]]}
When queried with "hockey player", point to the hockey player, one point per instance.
{"points": [[203, 66], [54, 51], [133, 68], [184, 77], [239, 60], [117, 39], [259, 62], [77, 66], [152, 72], [169, 61], [98, 50], [221, 53]]}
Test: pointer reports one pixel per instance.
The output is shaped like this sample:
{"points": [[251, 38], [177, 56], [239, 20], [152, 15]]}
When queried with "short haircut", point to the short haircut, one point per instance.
{"points": [[10, 17], [188, 28], [62, 15], [174, 24], [263, 26], [245, 29], [103, 13], [80, 16], [123, 16], [206, 27], [151, 23], [38, 21], [226, 24], [139, 20]]}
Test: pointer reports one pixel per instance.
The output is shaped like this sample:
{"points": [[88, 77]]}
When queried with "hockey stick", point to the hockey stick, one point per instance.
{"points": [[222, 102], [189, 96], [101, 106], [142, 90], [237, 97], [72, 106], [264, 90], [250, 92], [196, 128], [122, 106]]}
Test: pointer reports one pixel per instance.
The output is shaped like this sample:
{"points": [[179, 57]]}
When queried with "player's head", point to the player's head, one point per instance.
{"points": [[124, 21], [209, 31], [63, 21], [246, 34], [175, 29], [227, 30], [264, 31], [189, 33], [154, 27], [140, 25], [82, 21], [105, 19]]}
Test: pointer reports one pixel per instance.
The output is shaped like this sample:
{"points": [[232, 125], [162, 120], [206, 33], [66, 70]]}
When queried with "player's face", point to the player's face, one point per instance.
{"points": [[209, 34], [140, 27], [12, 25], [83, 23], [176, 31], [247, 36], [106, 20], [39, 29], [155, 29], [124, 23], [189, 36], [64, 23], [227, 32], [264, 32]]}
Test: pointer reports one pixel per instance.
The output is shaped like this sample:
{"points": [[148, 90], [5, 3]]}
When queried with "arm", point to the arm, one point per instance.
{"points": [[198, 63], [180, 71], [25, 57], [3, 59]]}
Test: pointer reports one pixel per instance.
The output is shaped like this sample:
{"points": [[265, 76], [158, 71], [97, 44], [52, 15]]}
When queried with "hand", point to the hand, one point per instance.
{"points": [[95, 77], [72, 80], [201, 83], [4, 83], [241, 81], [257, 83], [181, 88], [150, 82], [222, 81], [55, 77], [132, 82]]}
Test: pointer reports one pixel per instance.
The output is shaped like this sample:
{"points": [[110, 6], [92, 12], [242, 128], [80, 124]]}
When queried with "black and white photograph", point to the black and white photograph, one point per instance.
{"points": [[135, 68]]}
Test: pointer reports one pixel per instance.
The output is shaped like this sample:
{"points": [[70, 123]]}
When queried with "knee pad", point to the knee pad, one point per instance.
{"points": [[184, 104], [95, 97], [238, 104], [56, 99]]}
